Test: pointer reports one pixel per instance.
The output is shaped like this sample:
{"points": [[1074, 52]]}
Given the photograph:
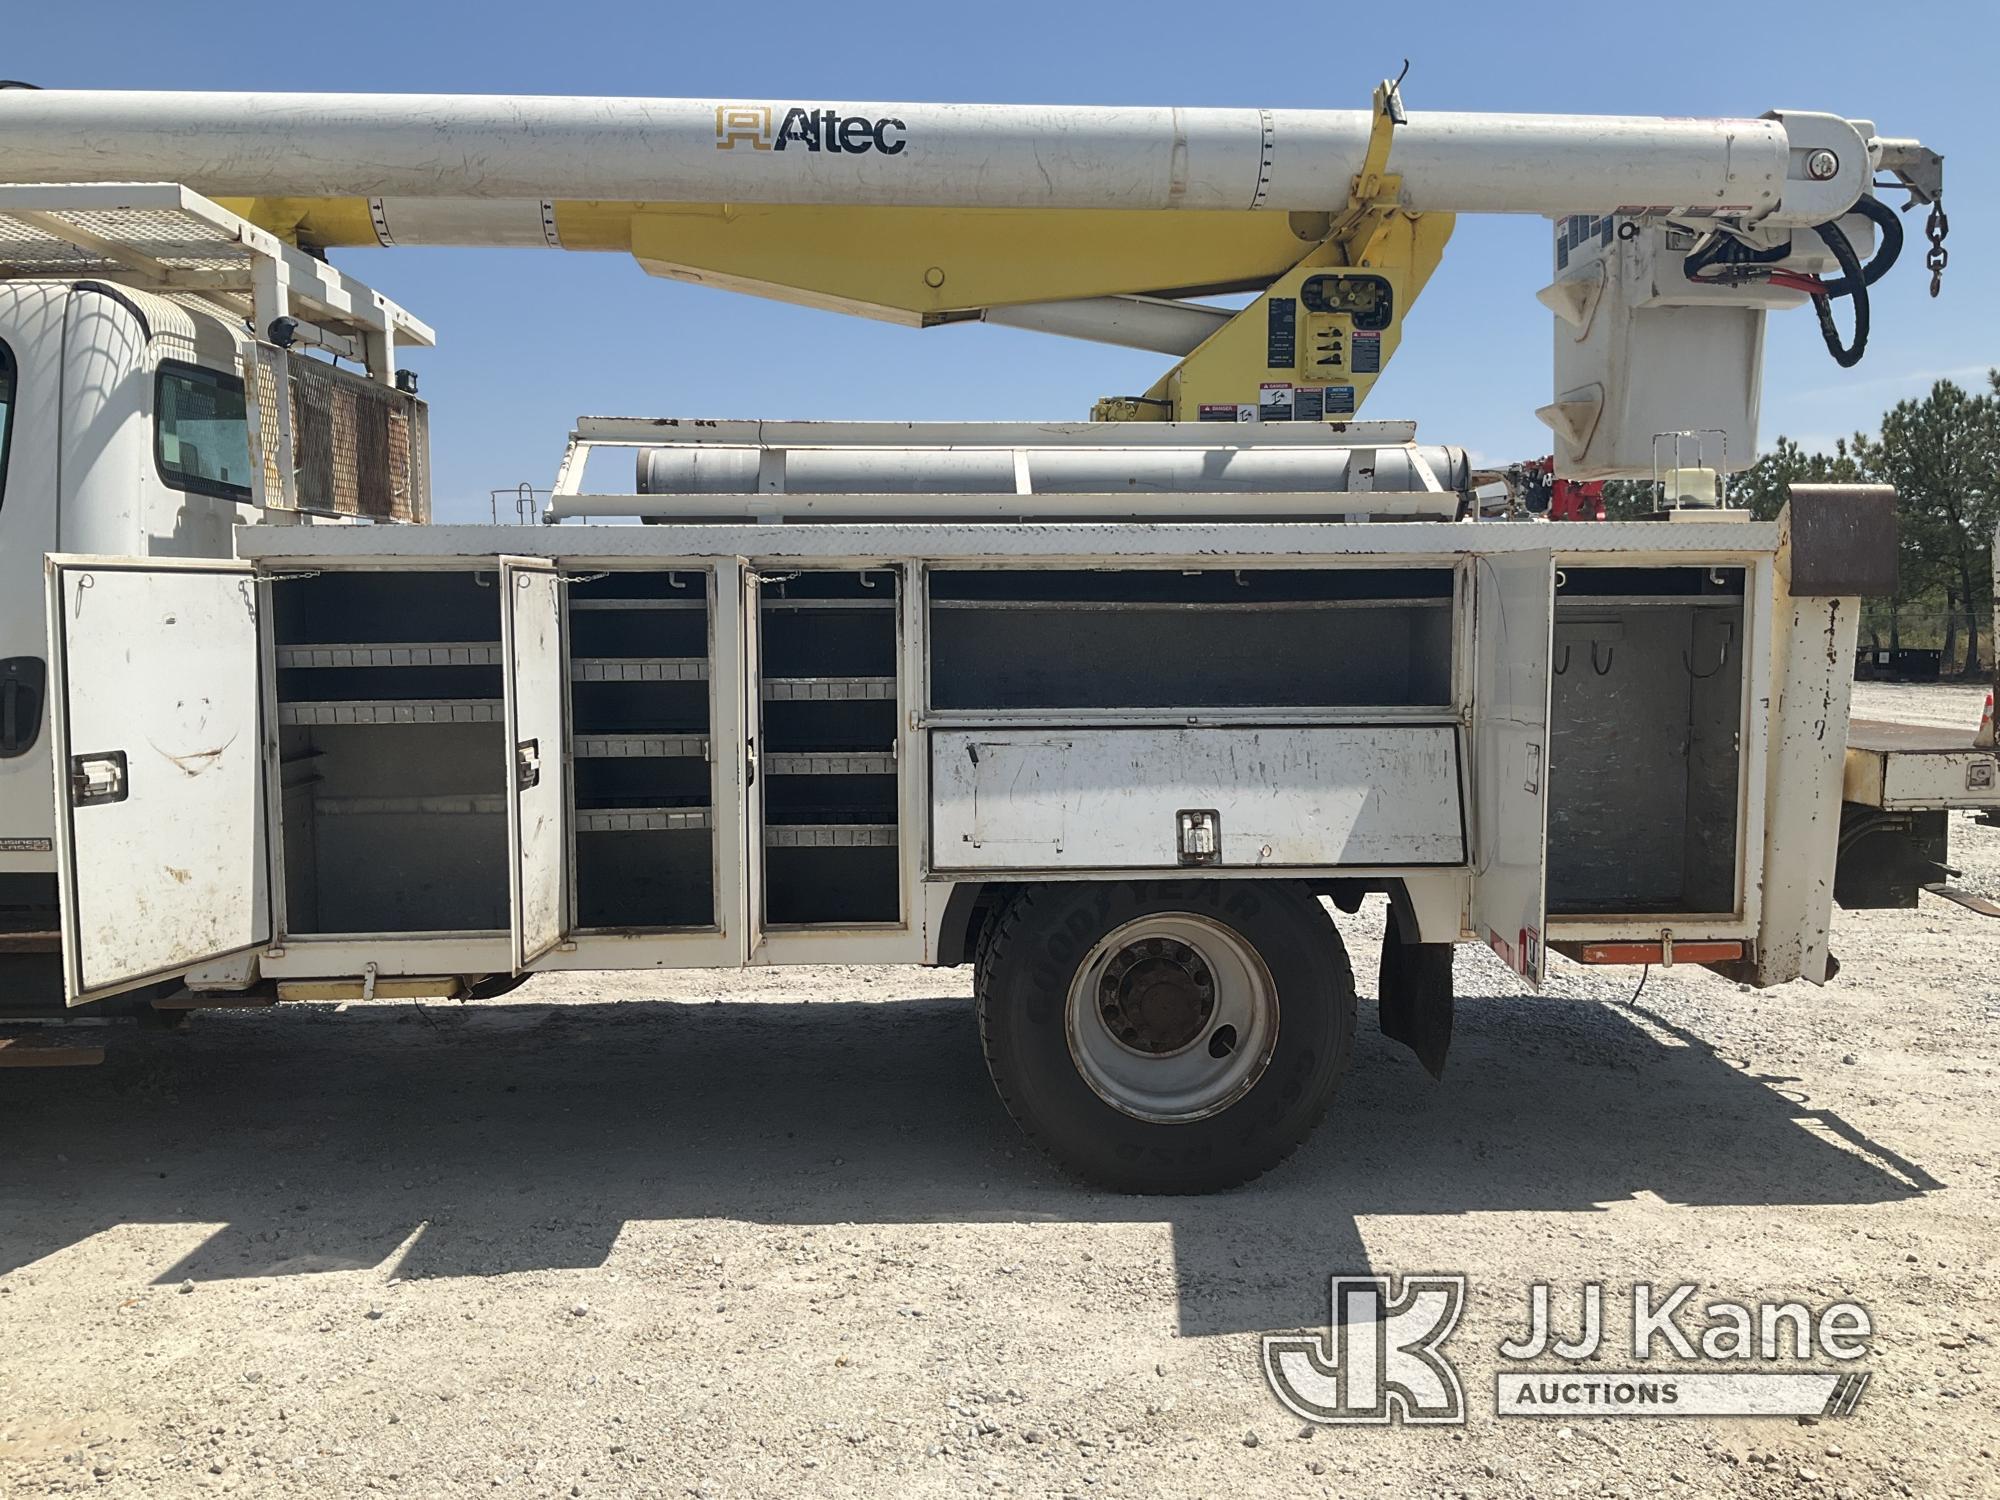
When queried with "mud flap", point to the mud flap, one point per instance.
{"points": [[1415, 997], [1887, 858]]}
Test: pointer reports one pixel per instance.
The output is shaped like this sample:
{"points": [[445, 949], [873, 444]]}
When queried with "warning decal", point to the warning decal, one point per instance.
{"points": [[1281, 341]]}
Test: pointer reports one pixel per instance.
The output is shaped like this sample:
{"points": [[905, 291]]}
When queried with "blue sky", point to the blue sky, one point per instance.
{"points": [[530, 339]]}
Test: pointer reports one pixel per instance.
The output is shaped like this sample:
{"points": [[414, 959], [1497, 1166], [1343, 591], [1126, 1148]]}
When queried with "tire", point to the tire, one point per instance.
{"points": [[493, 986], [1099, 1003], [989, 927]]}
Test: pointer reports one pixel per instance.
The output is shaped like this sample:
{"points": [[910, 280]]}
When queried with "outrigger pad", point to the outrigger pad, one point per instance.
{"points": [[1415, 997]]}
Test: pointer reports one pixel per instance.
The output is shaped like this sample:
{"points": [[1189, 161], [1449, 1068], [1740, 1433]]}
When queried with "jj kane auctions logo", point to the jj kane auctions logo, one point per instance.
{"points": [[1382, 1357], [761, 128]]}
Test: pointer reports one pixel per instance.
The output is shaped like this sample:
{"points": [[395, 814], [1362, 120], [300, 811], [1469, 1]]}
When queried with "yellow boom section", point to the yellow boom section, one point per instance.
{"points": [[909, 264], [1331, 289]]}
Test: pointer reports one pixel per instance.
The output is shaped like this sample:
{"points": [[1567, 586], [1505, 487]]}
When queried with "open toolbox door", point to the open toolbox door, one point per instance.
{"points": [[750, 807], [159, 751], [1513, 612], [538, 842]]}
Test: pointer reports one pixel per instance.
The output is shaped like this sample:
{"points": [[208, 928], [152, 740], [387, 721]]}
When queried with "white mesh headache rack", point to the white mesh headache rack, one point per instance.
{"points": [[1012, 471], [344, 443]]}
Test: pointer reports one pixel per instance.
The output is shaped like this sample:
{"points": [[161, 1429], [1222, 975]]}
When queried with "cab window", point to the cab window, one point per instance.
{"points": [[201, 436]]}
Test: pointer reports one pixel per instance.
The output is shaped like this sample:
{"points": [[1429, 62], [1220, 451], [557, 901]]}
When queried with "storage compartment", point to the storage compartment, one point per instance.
{"points": [[647, 877], [393, 752], [848, 883], [1004, 639], [1645, 741], [642, 773], [1264, 797], [827, 655]]}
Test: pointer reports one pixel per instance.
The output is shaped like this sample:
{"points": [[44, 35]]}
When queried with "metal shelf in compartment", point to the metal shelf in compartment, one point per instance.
{"points": [[827, 689], [800, 605], [830, 836], [639, 669], [391, 711], [1189, 606], [830, 763], [392, 654], [1648, 601], [641, 819], [641, 747], [471, 804], [627, 605]]}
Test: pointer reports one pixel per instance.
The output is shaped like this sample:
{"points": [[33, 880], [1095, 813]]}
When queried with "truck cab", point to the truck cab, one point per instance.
{"points": [[142, 415]]}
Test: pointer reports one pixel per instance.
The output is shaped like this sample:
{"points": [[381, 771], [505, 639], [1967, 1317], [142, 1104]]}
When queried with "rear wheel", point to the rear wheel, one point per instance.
{"points": [[1169, 1037]]}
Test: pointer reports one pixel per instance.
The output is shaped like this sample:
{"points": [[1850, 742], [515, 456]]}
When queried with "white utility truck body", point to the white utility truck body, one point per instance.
{"points": [[477, 750]]}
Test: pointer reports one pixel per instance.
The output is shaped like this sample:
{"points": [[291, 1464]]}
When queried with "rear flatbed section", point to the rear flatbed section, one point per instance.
{"points": [[1900, 767], [1900, 783]]}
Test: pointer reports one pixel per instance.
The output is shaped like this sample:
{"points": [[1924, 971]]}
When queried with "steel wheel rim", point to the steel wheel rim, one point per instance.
{"points": [[1171, 1018]]}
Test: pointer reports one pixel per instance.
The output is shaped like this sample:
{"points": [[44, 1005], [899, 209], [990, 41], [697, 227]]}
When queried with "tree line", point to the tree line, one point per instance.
{"points": [[1942, 453]]}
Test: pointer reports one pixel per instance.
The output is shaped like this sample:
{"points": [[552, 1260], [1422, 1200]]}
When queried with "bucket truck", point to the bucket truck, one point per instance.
{"points": [[1113, 711]]}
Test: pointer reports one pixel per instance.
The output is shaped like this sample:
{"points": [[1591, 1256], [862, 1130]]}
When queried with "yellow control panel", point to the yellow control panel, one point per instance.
{"points": [[1342, 318]]}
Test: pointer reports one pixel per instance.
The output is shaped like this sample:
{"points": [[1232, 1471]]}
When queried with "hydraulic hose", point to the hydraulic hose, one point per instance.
{"points": [[1725, 259], [1725, 250], [1855, 283], [1884, 219]]}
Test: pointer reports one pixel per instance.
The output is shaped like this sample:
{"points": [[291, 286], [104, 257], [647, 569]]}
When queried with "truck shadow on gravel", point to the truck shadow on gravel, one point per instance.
{"points": [[506, 1138]]}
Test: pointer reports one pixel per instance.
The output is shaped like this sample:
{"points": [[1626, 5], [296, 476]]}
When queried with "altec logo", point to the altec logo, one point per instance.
{"points": [[808, 129]]}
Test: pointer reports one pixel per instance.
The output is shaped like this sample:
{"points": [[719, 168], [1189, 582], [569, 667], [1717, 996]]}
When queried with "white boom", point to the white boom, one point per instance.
{"points": [[1789, 168]]}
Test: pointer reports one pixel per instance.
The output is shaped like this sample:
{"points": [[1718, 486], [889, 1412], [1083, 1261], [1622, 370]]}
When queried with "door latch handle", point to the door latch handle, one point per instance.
{"points": [[97, 779], [527, 765], [1198, 836]]}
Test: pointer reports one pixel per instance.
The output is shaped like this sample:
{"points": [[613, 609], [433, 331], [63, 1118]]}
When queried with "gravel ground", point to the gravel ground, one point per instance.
{"points": [[771, 1234]]}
